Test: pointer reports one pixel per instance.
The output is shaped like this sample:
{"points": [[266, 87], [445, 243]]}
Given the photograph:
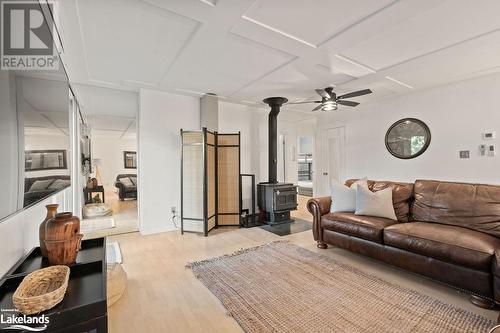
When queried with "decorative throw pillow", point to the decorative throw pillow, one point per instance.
{"points": [[343, 197], [40, 185], [375, 203], [126, 181], [59, 184], [134, 180]]}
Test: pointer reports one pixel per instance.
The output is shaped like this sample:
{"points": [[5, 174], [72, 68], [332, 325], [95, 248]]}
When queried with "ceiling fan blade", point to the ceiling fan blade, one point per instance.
{"points": [[355, 94], [318, 107], [305, 102], [348, 103], [323, 93]]}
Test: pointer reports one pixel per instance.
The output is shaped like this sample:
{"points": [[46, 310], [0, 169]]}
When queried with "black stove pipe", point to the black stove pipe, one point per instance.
{"points": [[275, 103]]}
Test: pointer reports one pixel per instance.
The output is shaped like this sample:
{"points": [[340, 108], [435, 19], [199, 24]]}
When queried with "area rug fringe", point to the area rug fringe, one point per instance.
{"points": [[194, 264]]}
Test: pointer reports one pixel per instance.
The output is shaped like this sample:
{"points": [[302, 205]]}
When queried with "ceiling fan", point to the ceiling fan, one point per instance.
{"points": [[330, 101]]}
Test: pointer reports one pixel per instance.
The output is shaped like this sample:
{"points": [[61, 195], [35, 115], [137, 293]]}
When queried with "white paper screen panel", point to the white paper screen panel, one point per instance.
{"points": [[192, 184]]}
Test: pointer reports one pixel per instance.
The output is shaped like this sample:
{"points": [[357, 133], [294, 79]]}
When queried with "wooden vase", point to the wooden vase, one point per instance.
{"points": [[51, 213], [63, 239]]}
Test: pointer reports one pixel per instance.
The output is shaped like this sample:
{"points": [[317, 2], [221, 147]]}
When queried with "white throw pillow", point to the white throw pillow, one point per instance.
{"points": [[126, 181], [375, 203], [343, 197]]}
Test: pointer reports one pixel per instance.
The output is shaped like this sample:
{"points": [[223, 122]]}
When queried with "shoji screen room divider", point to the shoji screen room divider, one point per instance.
{"points": [[210, 180]]}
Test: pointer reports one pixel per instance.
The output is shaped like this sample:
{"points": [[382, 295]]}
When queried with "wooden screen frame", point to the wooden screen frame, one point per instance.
{"points": [[220, 147], [207, 141]]}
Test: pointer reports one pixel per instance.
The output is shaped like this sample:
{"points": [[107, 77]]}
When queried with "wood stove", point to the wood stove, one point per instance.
{"points": [[275, 200]]}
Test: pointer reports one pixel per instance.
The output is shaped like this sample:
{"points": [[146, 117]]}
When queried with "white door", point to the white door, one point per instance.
{"points": [[332, 161]]}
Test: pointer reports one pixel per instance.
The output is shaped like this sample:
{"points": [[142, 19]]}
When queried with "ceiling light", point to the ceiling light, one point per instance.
{"points": [[329, 106]]}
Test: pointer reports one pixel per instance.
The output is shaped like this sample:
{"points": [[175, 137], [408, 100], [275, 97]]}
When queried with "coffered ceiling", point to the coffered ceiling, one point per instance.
{"points": [[246, 50]]}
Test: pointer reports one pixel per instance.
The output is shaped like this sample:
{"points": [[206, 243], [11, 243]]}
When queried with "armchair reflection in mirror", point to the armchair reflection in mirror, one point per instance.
{"points": [[34, 131]]}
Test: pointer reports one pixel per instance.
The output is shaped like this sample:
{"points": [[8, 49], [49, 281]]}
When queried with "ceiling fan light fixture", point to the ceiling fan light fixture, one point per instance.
{"points": [[329, 106]]}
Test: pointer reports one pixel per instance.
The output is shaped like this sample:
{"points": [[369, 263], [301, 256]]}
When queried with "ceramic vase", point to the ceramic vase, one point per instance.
{"points": [[51, 213]]}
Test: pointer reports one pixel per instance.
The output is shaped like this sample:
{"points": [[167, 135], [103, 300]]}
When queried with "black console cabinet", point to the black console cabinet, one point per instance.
{"points": [[84, 307]]}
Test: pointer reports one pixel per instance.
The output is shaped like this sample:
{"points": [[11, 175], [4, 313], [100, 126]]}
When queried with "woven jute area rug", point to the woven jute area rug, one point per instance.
{"points": [[280, 287]]}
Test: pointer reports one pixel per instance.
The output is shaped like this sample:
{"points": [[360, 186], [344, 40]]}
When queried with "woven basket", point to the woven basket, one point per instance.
{"points": [[41, 290]]}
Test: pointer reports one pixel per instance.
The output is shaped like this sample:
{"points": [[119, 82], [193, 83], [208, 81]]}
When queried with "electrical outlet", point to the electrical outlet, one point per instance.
{"points": [[172, 210]]}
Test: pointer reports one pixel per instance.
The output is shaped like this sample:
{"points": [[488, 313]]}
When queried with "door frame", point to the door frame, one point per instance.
{"points": [[321, 187]]}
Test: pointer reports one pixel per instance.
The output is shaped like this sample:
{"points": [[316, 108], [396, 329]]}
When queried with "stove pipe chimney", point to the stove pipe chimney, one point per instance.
{"points": [[275, 103]]}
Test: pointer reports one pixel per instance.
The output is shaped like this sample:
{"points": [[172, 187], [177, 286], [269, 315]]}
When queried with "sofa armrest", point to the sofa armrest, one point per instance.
{"points": [[496, 276], [318, 207]]}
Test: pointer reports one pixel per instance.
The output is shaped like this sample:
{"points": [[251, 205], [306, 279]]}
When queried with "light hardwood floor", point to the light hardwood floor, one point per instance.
{"points": [[124, 214], [301, 212], [163, 296]]}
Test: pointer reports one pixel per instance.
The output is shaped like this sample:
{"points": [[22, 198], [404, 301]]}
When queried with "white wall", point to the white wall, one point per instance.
{"points": [[252, 122], [109, 150], [19, 233], [457, 115], [161, 116]]}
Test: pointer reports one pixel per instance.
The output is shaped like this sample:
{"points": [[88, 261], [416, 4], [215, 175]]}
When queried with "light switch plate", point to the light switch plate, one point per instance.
{"points": [[464, 154]]}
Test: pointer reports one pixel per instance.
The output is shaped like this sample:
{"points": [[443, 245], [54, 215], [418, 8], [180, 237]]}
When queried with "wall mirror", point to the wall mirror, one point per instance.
{"points": [[407, 138], [34, 131], [130, 160]]}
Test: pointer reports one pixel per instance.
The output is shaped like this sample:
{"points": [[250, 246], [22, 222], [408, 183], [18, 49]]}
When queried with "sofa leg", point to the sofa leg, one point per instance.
{"points": [[482, 302], [322, 245]]}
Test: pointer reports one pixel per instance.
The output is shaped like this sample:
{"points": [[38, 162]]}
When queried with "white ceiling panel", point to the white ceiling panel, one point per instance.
{"points": [[46, 95], [131, 40], [477, 56], [340, 64], [247, 50], [110, 123], [104, 101], [312, 21], [449, 23], [296, 81], [224, 66]]}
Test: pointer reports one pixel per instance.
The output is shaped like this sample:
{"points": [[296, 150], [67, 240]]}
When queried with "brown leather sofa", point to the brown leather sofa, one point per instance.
{"points": [[445, 231]]}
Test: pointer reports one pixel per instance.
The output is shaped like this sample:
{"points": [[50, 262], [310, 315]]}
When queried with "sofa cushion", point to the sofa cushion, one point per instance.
{"points": [[130, 189], [366, 227], [402, 195], [471, 206], [344, 197], [126, 182], [40, 185], [447, 243], [59, 184], [374, 203]]}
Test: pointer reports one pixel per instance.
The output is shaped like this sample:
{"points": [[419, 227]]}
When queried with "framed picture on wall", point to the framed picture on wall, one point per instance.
{"points": [[36, 160], [130, 160]]}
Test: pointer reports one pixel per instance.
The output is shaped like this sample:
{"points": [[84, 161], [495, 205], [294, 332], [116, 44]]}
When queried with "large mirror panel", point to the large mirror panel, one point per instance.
{"points": [[34, 131]]}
